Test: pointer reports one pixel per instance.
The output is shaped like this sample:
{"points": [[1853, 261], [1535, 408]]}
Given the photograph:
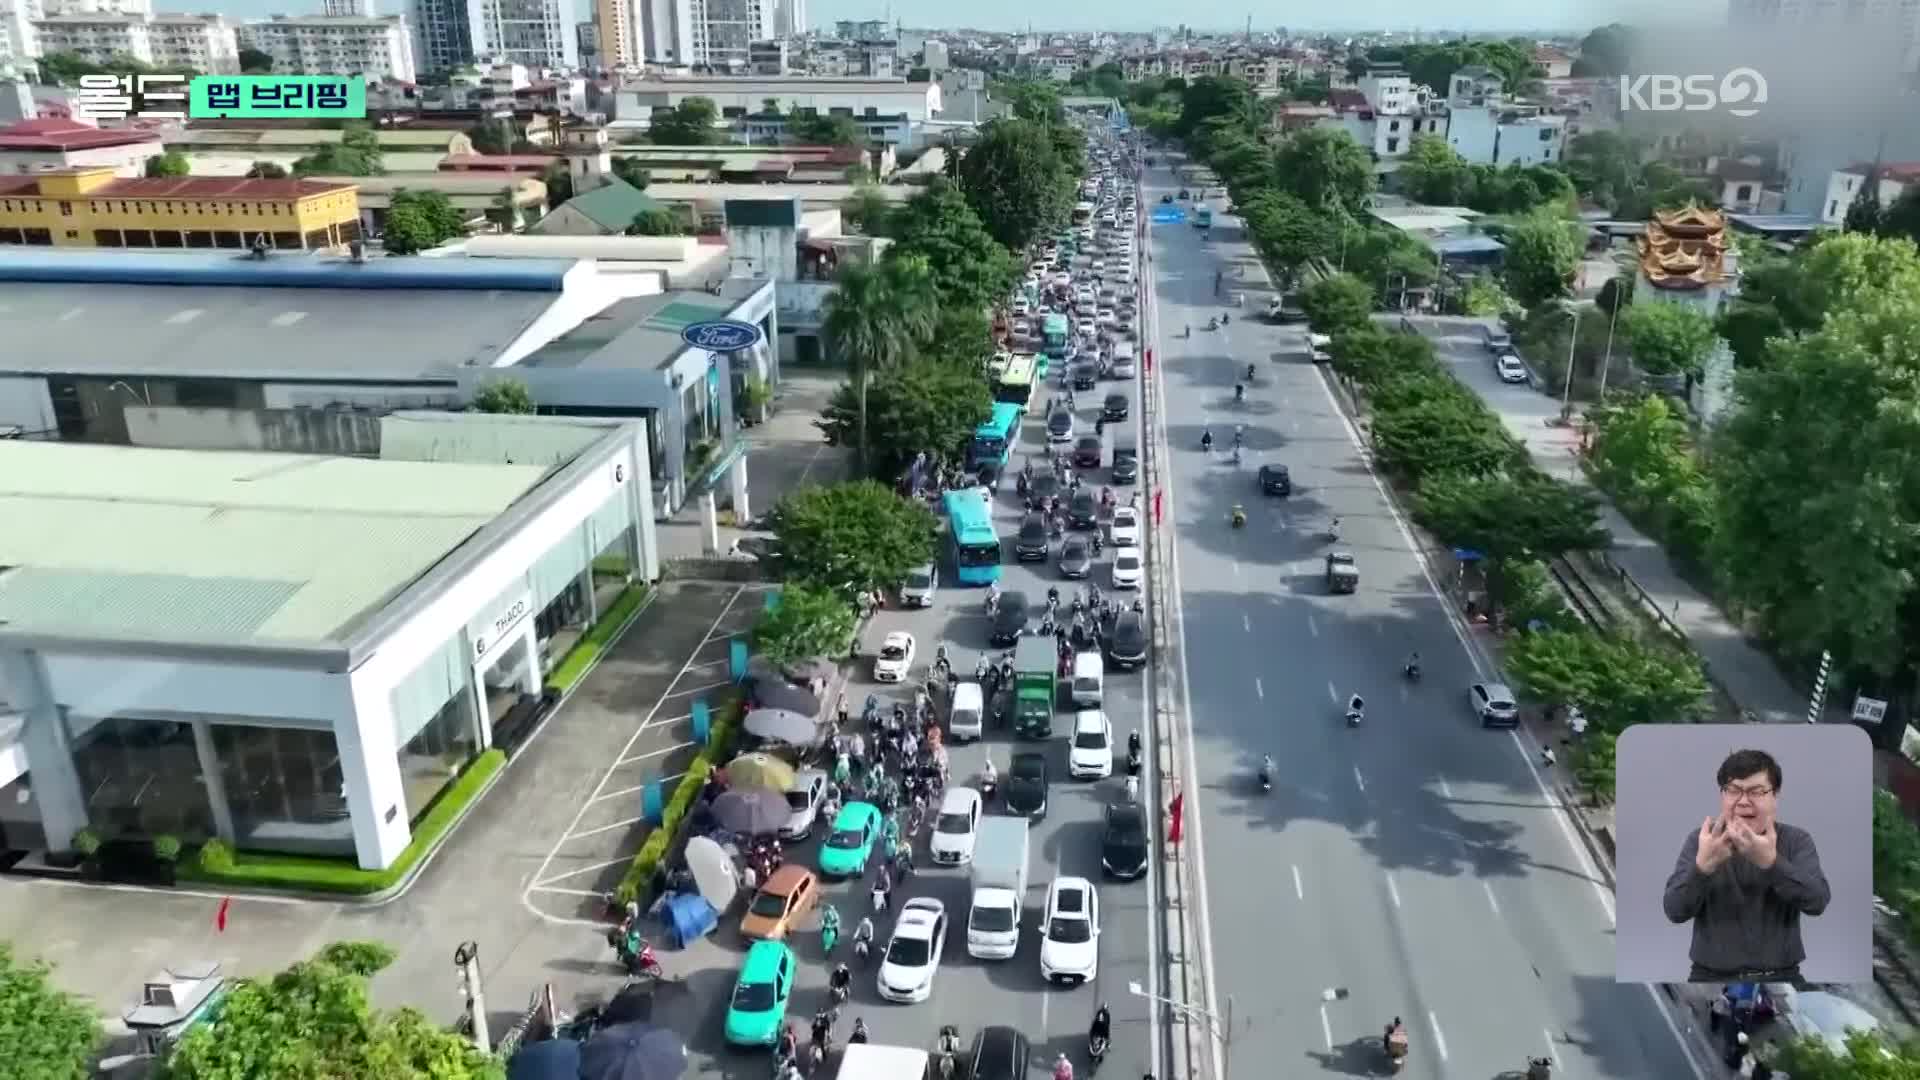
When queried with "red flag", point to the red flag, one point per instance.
{"points": [[1174, 815], [220, 917]]}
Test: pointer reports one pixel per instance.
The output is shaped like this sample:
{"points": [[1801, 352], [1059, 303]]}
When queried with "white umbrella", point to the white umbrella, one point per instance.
{"points": [[781, 725], [712, 871]]}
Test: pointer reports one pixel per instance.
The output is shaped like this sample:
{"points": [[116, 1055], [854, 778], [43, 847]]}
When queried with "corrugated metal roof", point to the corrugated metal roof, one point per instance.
{"points": [[116, 267], [533, 440], [199, 546]]}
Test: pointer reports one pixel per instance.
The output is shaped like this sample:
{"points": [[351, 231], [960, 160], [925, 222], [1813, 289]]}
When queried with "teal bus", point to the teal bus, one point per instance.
{"points": [[976, 547], [1055, 336], [1015, 386], [993, 441], [1203, 218]]}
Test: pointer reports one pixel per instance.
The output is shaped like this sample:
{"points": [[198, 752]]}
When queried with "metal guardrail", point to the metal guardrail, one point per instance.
{"points": [[1586, 600]]}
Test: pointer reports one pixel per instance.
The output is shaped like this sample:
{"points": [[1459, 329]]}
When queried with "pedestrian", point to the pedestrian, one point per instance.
{"points": [[1175, 810], [1133, 789], [1158, 506]]}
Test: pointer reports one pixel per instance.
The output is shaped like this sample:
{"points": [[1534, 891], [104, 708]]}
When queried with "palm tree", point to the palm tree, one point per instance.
{"points": [[875, 319]]}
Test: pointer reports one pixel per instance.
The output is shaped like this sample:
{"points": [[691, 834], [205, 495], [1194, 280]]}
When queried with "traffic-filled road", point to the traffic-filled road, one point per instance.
{"points": [[1413, 866]]}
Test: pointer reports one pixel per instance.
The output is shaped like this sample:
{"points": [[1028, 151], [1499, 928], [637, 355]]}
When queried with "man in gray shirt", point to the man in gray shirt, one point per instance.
{"points": [[1745, 879]]}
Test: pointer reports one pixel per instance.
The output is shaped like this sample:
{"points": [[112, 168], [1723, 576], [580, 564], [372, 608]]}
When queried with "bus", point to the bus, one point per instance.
{"points": [[976, 547], [1055, 337], [993, 441], [1203, 218], [1082, 213], [1016, 383]]}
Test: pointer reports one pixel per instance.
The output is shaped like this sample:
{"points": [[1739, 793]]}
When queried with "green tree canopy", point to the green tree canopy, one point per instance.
{"points": [[1325, 168], [65, 68], [1015, 181], [504, 396], [1669, 339], [659, 221], [851, 537], [171, 163], [825, 129], [690, 123], [1521, 514], [1433, 172], [266, 170], [970, 268], [1642, 455], [1288, 233], [356, 154], [809, 622], [1606, 51], [874, 320], [1337, 304], [418, 220], [1212, 95], [924, 405], [1439, 432], [1542, 251], [254, 62], [1618, 680], [868, 211], [45, 1032], [313, 1021], [1867, 1056], [1385, 258], [633, 171]]}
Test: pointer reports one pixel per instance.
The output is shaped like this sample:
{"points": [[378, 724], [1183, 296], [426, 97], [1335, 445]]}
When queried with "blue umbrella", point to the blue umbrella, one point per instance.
{"points": [[553, 1059], [633, 1052]]}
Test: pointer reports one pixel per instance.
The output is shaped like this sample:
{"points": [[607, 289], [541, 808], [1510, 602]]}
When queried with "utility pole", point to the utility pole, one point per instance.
{"points": [[466, 960], [1817, 703]]}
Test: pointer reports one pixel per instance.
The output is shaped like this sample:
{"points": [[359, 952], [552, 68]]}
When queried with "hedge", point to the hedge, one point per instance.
{"points": [[595, 641], [720, 741], [218, 864]]}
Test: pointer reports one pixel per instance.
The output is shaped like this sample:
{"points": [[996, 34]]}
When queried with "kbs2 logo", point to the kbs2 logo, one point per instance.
{"points": [[1739, 92]]}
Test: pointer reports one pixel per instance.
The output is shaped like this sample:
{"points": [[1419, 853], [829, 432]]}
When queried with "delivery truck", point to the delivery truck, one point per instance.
{"points": [[999, 876], [1035, 674]]}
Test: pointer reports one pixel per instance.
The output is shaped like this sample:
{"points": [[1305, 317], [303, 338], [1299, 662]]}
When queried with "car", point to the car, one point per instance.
{"points": [[1090, 748], [760, 995], [913, 953], [1286, 308], [1115, 407], [1060, 427], [1087, 452], [1127, 639], [1099, 266], [849, 843], [1083, 510], [1320, 355], [809, 790], [1127, 567], [1123, 841], [1510, 368], [1495, 339], [1009, 618], [782, 900], [1124, 529], [1494, 704], [999, 1053], [1319, 341], [1026, 784], [895, 658], [1275, 480], [921, 583], [1126, 465], [1021, 309], [1076, 558], [1086, 373], [1070, 933], [1042, 487], [955, 826], [1105, 317], [1030, 543]]}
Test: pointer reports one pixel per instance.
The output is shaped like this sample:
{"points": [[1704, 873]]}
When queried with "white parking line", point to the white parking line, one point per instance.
{"points": [[1299, 889], [1491, 899], [1393, 891], [587, 869], [1260, 688], [1332, 694], [701, 689], [634, 790], [710, 663], [627, 824], [1358, 780], [1439, 1037], [1553, 1052], [1246, 622], [565, 892], [663, 751]]}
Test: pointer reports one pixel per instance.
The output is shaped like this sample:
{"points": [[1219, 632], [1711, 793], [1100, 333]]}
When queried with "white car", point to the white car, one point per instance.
{"points": [[1090, 753], [809, 790], [1319, 341], [895, 659], [1510, 368], [913, 954], [954, 828], [922, 583], [1070, 934], [1494, 704], [1127, 568], [1099, 265], [1104, 317], [1124, 531]]}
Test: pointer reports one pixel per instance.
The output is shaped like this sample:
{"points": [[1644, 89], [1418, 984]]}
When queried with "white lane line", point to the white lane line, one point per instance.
{"points": [[702, 689], [1260, 688], [1439, 1037], [1393, 891], [1553, 1053], [1246, 622], [1299, 889], [1491, 899], [1445, 790], [1358, 780], [1236, 568], [569, 892], [1326, 1027], [634, 790], [1332, 694], [1313, 627], [722, 662]]}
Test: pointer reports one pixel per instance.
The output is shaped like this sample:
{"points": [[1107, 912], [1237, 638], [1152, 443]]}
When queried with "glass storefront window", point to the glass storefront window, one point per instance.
{"points": [[286, 789], [141, 777], [432, 758]]}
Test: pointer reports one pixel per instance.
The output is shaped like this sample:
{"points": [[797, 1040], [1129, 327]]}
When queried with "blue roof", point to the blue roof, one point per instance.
{"points": [[1465, 245], [233, 268]]}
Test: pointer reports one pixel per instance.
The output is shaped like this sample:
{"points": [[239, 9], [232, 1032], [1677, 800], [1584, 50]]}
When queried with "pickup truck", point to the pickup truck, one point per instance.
{"points": [[1035, 675]]}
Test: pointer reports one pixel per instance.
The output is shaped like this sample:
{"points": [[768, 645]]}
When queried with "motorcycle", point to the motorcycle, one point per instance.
{"points": [[638, 962], [861, 949], [1412, 672], [1213, 324], [1356, 712], [1539, 1069], [1239, 512], [1096, 1052], [1266, 776], [1206, 442]]}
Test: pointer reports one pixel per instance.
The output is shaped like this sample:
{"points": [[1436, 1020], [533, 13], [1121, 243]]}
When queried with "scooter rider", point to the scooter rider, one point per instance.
{"points": [[863, 933], [1394, 1039], [1412, 668], [822, 1027], [1239, 392], [1206, 439], [989, 777], [840, 982], [1266, 769], [1101, 1032]]}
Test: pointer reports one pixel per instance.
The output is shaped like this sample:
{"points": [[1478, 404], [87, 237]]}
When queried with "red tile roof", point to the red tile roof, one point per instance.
{"points": [[203, 188], [67, 135]]}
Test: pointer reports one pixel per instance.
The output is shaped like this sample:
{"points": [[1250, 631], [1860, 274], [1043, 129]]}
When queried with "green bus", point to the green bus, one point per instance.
{"points": [[993, 441], [1016, 383]]}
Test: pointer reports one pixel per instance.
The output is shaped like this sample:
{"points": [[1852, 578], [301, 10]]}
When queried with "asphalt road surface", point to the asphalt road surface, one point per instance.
{"points": [[1413, 866]]}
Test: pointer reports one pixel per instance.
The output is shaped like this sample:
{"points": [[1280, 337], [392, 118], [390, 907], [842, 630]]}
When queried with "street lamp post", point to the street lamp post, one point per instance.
{"points": [[1573, 340], [1218, 1027], [466, 960], [1607, 360]]}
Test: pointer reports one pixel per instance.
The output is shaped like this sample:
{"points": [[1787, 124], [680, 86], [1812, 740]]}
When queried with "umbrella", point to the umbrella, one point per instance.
{"points": [[781, 725], [806, 670], [759, 771], [712, 871], [752, 811], [633, 1052], [1828, 1017], [552, 1059], [780, 694], [633, 1002]]}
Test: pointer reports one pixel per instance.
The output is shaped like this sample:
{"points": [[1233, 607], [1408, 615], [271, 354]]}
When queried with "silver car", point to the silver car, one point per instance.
{"points": [[919, 587], [1494, 704], [804, 799]]}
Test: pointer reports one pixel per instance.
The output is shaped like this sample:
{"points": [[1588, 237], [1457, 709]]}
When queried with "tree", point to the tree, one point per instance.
{"points": [[313, 1021], [1337, 304], [867, 211], [630, 170], [1032, 100], [961, 338], [1867, 1056], [1483, 296], [504, 396], [659, 221], [1433, 172], [1643, 458], [171, 163], [1606, 51], [492, 137], [1213, 95], [1521, 514], [559, 184], [1439, 432], [1864, 213], [969, 267], [1670, 338], [690, 123], [266, 170], [65, 68], [809, 622], [45, 1032], [1015, 181], [254, 62], [1325, 169], [1542, 251], [925, 405], [825, 129], [356, 154], [1288, 233], [1902, 219], [1616, 679], [851, 537], [874, 320], [420, 220]]}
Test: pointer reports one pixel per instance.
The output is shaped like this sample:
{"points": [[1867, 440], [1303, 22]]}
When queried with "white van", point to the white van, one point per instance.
{"points": [[966, 713], [1089, 679], [1120, 365]]}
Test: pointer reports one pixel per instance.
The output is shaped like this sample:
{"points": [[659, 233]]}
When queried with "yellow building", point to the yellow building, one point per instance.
{"points": [[94, 208]]}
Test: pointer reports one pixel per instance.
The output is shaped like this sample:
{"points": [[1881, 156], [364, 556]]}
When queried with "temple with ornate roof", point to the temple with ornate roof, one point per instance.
{"points": [[1685, 249]]}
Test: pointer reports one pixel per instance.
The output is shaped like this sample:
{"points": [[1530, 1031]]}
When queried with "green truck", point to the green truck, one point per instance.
{"points": [[1034, 672]]}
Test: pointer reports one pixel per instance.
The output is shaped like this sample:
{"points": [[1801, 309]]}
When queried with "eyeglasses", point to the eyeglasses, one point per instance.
{"points": [[1736, 792]]}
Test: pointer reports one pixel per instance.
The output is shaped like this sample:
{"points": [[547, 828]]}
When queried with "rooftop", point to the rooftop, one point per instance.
{"points": [[182, 545], [114, 267], [205, 138], [642, 331], [815, 194], [202, 188], [66, 135]]}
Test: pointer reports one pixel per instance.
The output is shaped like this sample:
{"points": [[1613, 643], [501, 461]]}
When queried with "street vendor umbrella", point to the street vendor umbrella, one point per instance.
{"points": [[712, 871], [753, 811], [781, 725], [777, 693], [550, 1059], [633, 1052], [762, 771]]}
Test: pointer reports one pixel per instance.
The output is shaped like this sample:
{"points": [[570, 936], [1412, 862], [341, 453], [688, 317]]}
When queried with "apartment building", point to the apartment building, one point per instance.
{"points": [[724, 31], [377, 47], [1896, 178], [94, 207], [205, 43], [894, 110], [454, 33]]}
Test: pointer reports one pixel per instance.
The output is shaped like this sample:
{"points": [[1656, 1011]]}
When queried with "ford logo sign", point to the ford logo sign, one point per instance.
{"points": [[726, 335]]}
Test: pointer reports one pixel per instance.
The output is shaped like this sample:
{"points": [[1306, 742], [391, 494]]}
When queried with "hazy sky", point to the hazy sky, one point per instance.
{"points": [[1146, 14]]}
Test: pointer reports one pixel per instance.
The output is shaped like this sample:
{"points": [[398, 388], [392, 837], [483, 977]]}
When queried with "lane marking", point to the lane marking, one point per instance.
{"points": [[1553, 1052], [662, 752], [1439, 1037], [1332, 694], [1259, 688], [1445, 791], [1491, 899], [1393, 891], [1326, 1027], [1299, 890], [1236, 568], [568, 892], [1313, 627], [702, 689], [587, 869], [628, 823], [1357, 779], [1246, 622]]}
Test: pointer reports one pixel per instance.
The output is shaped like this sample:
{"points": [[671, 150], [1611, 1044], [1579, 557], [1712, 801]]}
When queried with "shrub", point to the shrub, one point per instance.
{"points": [[720, 742], [216, 857], [86, 843], [166, 848]]}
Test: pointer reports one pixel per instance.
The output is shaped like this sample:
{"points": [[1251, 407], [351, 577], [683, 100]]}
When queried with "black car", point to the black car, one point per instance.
{"points": [[999, 1053], [1085, 375], [1275, 480], [1026, 784], [1126, 465], [1042, 487], [1031, 544], [1166, 198], [1127, 640], [1060, 426], [1087, 452], [1123, 843], [1116, 407], [1076, 557], [1009, 619], [1083, 511]]}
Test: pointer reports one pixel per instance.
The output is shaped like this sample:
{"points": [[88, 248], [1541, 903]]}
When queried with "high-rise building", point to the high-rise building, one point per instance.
{"points": [[665, 31], [790, 17], [724, 31], [374, 47], [19, 44], [443, 34], [205, 43], [617, 34], [341, 9], [453, 33]]}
